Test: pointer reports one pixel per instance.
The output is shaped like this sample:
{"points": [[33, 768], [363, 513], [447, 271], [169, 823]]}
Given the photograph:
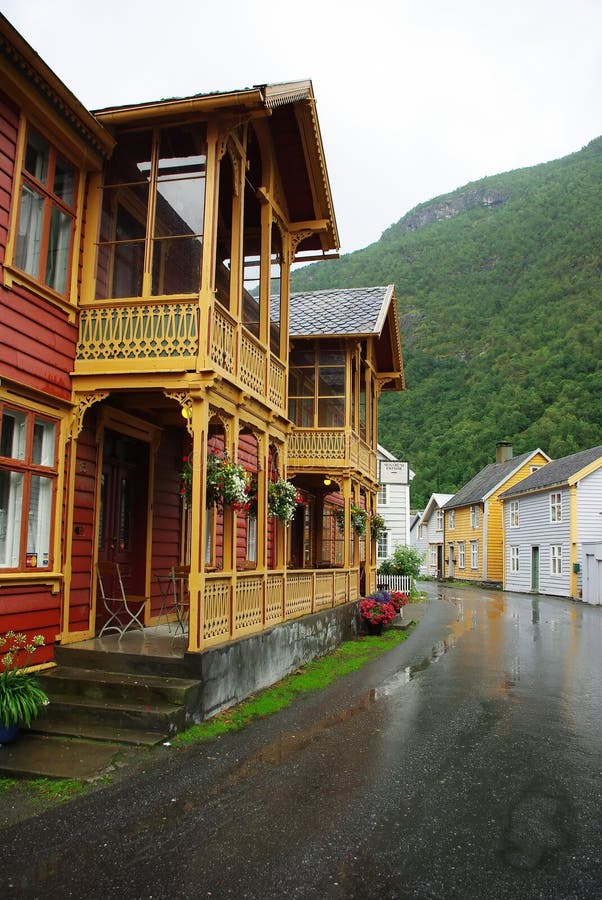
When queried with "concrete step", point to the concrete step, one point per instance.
{"points": [[135, 663], [68, 710], [37, 756], [134, 737], [96, 684]]}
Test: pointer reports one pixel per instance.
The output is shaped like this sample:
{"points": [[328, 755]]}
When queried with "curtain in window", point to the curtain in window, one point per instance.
{"points": [[30, 231]]}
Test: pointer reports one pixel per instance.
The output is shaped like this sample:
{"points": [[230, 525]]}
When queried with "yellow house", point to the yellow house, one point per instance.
{"points": [[474, 538]]}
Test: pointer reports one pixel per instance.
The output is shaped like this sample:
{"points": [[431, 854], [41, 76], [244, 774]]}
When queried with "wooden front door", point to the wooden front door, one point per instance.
{"points": [[123, 507]]}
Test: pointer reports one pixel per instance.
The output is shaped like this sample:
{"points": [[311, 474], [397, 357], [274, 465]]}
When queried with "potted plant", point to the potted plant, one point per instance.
{"points": [[375, 612], [21, 695], [227, 482], [359, 520], [283, 500], [378, 526]]}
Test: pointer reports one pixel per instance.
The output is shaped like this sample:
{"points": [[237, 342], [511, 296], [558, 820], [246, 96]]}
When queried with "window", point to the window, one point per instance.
{"points": [[27, 482], [556, 507], [46, 214], [382, 498], [317, 386], [382, 545], [514, 559], [556, 559], [474, 516], [433, 555], [533, 469], [152, 214], [252, 539], [474, 554], [514, 515], [462, 555], [421, 532], [451, 518], [439, 520]]}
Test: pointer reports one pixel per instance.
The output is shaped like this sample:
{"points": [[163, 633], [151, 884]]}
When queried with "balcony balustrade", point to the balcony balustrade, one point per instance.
{"points": [[334, 447]]}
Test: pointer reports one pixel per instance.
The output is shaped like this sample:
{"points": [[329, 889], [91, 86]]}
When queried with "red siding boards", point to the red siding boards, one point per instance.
{"points": [[83, 527], [32, 609], [167, 511]]}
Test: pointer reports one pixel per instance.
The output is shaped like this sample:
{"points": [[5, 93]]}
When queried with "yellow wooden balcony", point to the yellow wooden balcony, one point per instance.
{"points": [[151, 337], [334, 448]]}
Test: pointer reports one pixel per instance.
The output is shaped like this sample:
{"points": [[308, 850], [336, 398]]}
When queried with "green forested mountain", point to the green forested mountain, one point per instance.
{"points": [[499, 287]]}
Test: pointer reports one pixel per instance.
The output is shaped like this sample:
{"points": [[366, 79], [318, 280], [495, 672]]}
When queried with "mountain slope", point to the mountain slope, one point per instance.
{"points": [[499, 286]]}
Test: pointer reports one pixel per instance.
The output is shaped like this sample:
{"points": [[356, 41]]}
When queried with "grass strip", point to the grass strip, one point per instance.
{"points": [[314, 676]]}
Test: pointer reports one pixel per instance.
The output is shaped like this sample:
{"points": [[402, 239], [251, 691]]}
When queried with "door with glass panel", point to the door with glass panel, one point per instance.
{"points": [[123, 507]]}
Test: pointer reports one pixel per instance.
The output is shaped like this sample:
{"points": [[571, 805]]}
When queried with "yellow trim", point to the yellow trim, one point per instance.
{"points": [[585, 471]]}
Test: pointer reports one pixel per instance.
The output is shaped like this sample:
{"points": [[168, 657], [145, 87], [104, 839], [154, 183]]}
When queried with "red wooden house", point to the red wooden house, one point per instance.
{"points": [[145, 260]]}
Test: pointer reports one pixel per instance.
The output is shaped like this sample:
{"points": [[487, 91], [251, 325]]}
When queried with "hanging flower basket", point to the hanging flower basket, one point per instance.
{"points": [[283, 500], [359, 520], [186, 481], [227, 483], [377, 526]]}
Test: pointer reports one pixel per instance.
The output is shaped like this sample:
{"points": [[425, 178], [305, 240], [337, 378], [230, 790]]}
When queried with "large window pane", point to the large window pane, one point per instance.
{"points": [[332, 381], [331, 412], [59, 243], [14, 432], [176, 266], [29, 236], [44, 442], [64, 181], [37, 155], [11, 497], [38, 523]]}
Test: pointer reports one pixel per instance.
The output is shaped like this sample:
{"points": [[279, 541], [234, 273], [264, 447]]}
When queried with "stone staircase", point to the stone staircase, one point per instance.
{"points": [[117, 697]]}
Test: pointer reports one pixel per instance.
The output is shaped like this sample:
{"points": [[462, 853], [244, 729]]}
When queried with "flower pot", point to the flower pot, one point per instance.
{"points": [[8, 733]]}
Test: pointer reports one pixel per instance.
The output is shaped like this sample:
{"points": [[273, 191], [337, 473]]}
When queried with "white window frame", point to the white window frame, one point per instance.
{"points": [[474, 516], [461, 554], [556, 507], [555, 559], [252, 539], [474, 555], [515, 558], [451, 519], [433, 555], [382, 545], [439, 520], [29, 471], [514, 514], [382, 498]]}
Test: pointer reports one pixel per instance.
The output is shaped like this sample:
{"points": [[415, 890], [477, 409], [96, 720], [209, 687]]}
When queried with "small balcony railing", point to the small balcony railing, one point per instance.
{"points": [[335, 447]]}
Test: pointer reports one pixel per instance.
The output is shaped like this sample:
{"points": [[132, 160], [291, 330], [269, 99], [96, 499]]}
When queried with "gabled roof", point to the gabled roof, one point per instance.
{"points": [[489, 479], [353, 312], [436, 501], [350, 311], [565, 470], [289, 109]]}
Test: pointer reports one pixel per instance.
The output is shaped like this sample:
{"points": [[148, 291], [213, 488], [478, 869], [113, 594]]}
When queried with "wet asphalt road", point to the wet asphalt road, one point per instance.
{"points": [[464, 764]]}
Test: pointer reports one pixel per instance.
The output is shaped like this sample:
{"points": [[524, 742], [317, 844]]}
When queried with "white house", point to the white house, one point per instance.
{"points": [[553, 529], [432, 521], [418, 538], [393, 502]]}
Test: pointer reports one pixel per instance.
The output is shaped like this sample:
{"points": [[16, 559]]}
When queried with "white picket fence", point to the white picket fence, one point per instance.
{"points": [[394, 583]]}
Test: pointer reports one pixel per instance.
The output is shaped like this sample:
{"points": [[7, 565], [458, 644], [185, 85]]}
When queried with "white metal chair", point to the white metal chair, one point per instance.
{"points": [[122, 612]]}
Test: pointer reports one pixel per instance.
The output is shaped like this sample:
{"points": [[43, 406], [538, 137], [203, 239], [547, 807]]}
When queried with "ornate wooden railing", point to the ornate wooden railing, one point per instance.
{"points": [[336, 447], [250, 603], [237, 352], [137, 337]]}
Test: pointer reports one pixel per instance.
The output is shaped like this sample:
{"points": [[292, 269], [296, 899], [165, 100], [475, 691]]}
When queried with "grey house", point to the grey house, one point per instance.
{"points": [[553, 529]]}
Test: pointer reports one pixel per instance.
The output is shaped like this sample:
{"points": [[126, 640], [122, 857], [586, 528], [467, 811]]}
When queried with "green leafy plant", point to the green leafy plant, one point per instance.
{"points": [[359, 520], [405, 561], [283, 500], [21, 695], [227, 483], [378, 526]]}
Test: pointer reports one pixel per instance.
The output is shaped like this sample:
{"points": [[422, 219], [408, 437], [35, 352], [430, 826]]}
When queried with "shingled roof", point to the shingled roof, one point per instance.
{"points": [[555, 473], [357, 311], [487, 480]]}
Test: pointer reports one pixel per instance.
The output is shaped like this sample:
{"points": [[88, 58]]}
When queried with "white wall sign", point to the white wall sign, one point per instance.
{"points": [[393, 471]]}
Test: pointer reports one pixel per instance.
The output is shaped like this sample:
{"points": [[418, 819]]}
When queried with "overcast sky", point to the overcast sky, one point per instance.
{"points": [[415, 97]]}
